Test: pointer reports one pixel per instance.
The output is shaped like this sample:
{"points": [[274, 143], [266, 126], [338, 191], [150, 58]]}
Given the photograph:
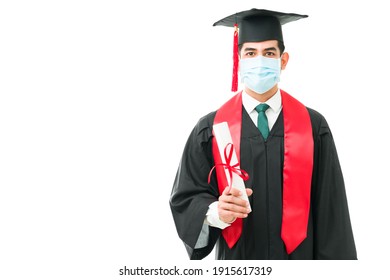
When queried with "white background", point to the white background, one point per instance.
{"points": [[97, 99]]}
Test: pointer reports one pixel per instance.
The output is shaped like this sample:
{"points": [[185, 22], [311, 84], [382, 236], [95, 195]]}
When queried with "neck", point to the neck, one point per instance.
{"points": [[264, 96]]}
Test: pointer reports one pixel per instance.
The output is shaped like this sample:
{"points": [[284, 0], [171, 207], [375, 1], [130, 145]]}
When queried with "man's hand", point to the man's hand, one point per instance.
{"points": [[231, 206]]}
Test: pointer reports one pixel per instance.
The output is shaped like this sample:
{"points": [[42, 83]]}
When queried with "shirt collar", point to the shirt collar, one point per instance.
{"points": [[275, 102]]}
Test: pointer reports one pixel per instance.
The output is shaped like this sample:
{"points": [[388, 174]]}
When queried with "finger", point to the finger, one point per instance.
{"points": [[249, 192], [235, 192], [230, 199], [226, 215], [232, 191], [226, 191], [233, 207]]}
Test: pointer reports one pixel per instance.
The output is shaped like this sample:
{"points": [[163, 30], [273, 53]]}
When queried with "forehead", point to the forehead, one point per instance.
{"points": [[261, 45]]}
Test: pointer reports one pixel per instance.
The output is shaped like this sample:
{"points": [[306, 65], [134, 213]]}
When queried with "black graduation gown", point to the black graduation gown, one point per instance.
{"points": [[329, 234]]}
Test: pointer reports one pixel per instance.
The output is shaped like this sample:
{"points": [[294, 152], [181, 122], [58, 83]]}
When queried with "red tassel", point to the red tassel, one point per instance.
{"points": [[235, 59]]}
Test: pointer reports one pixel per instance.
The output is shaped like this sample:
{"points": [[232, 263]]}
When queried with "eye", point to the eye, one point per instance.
{"points": [[250, 54], [270, 54]]}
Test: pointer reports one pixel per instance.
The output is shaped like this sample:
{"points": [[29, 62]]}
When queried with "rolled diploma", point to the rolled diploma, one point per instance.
{"points": [[223, 137]]}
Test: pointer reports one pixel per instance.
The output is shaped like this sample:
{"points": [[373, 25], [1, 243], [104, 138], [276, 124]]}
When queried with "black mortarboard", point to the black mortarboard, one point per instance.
{"points": [[255, 25]]}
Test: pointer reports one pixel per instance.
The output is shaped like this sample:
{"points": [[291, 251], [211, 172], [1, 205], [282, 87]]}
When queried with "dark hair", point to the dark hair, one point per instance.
{"points": [[280, 46]]}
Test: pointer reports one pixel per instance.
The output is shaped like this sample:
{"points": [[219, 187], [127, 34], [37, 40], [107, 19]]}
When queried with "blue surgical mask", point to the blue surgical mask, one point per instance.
{"points": [[261, 73]]}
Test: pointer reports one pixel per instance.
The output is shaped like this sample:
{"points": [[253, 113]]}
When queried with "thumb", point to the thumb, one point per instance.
{"points": [[226, 190]]}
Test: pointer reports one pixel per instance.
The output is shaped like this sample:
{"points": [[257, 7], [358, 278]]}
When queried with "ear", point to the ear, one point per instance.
{"points": [[284, 60]]}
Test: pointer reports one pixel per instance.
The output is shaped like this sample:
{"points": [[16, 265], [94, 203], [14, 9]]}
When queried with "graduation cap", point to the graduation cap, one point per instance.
{"points": [[255, 25]]}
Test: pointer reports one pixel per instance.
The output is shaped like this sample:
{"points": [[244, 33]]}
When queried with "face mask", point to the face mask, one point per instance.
{"points": [[261, 73]]}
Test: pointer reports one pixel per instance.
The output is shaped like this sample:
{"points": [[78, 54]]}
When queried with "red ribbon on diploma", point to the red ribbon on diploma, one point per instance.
{"points": [[231, 168]]}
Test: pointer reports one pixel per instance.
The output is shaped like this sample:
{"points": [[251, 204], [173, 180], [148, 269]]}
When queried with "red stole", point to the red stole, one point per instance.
{"points": [[297, 169]]}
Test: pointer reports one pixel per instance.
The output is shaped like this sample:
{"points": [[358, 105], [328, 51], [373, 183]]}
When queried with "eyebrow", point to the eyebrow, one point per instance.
{"points": [[265, 50], [270, 49], [250, 49]]}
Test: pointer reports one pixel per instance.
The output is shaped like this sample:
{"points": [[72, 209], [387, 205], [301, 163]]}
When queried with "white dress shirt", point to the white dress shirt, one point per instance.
{"points": [[249, 103], [275, 104]]}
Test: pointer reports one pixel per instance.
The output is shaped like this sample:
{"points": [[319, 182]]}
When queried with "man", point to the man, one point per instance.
{"points": [[296, 206]]}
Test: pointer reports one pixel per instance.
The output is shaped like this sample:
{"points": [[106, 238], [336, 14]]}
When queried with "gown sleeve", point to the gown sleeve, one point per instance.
{"points": [[191, 193], [333, 236]]}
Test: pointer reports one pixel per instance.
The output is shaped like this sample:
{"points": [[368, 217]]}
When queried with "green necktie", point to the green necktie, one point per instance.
{"points": [[262, 121]]}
